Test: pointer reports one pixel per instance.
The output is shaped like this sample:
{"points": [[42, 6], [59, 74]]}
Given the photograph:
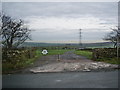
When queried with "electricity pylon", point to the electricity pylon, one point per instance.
{"points": [[80, 42]]}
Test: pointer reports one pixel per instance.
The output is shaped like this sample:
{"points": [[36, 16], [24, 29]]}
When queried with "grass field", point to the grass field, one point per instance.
{"points": [[52, 52], [87, 54], [55, 52]]}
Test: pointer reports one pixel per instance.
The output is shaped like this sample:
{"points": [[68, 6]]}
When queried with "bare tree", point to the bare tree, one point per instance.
{"points": [[114, 36], [13, 32]]}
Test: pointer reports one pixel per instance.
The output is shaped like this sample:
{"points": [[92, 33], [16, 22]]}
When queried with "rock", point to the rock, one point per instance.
{"points": [[114, 66], [94, 64], [106, 65], [72, 66], [94, 67], [87, 70]]}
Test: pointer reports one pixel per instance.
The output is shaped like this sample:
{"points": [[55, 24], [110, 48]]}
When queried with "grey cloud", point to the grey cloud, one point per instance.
{"points": [[104, 10], [61, 9]]}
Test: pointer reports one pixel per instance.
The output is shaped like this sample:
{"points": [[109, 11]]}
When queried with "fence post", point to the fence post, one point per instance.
{"points": [[93, 54], [117, 47]]}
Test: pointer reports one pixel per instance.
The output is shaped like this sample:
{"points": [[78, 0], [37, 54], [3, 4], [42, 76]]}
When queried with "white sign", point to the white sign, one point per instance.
{"points": [[44, 52]]}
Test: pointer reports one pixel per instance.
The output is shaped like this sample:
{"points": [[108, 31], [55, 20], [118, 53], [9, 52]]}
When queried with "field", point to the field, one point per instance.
{"points": [[72, 45], [56, 52], [87, 54]]}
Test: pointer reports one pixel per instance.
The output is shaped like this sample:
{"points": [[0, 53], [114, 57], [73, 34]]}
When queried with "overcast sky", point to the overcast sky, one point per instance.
{"points": [[61, 21]]}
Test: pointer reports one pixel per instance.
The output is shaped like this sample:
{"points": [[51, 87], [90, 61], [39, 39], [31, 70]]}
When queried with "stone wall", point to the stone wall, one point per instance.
{"points": [[17, 54], [100, 53]]}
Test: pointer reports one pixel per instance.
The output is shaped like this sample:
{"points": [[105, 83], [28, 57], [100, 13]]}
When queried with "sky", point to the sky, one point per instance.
{"points": [[59, 22]]}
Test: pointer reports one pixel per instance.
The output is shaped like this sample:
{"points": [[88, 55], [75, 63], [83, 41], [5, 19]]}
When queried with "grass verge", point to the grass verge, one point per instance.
{"points": [[87, 54], [110, 60], [8, 66]]}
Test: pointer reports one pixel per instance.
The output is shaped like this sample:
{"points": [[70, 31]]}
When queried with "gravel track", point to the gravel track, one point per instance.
{"points": [[67, 62]]}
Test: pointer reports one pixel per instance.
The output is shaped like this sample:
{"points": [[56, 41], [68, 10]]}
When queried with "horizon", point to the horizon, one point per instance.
{"points": [[65, 42]]}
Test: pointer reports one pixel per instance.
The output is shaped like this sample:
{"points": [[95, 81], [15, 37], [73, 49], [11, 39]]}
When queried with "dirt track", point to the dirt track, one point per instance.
{"points": [[66, 62]]}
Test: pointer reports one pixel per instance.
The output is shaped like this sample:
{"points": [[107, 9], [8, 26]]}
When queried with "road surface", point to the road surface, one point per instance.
{"points": [[100, 79]]}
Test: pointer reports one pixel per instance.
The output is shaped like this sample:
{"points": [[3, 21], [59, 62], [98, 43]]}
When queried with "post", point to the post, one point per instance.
{"points": [[80, 39], [117, 46], [30, 52], [58, 54]]}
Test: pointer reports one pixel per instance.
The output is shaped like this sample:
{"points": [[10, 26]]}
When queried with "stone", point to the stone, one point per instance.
{"points": [[94, 63]]}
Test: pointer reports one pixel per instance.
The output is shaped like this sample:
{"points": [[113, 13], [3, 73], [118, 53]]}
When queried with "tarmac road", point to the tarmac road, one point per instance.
{"points": [[101, 79]]}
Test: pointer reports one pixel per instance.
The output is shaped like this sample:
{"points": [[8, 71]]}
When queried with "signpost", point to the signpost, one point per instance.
{"points": [[44, 52]]}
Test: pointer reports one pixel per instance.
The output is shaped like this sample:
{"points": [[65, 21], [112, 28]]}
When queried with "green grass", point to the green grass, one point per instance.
{"points": [[52, 52], [87, 54], [56, 52], [38, 53], [7, 67], [30, 61], [110, 60]]}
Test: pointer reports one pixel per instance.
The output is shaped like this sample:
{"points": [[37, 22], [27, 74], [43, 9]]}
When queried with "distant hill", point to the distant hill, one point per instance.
{"points": [[87, 45]]}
